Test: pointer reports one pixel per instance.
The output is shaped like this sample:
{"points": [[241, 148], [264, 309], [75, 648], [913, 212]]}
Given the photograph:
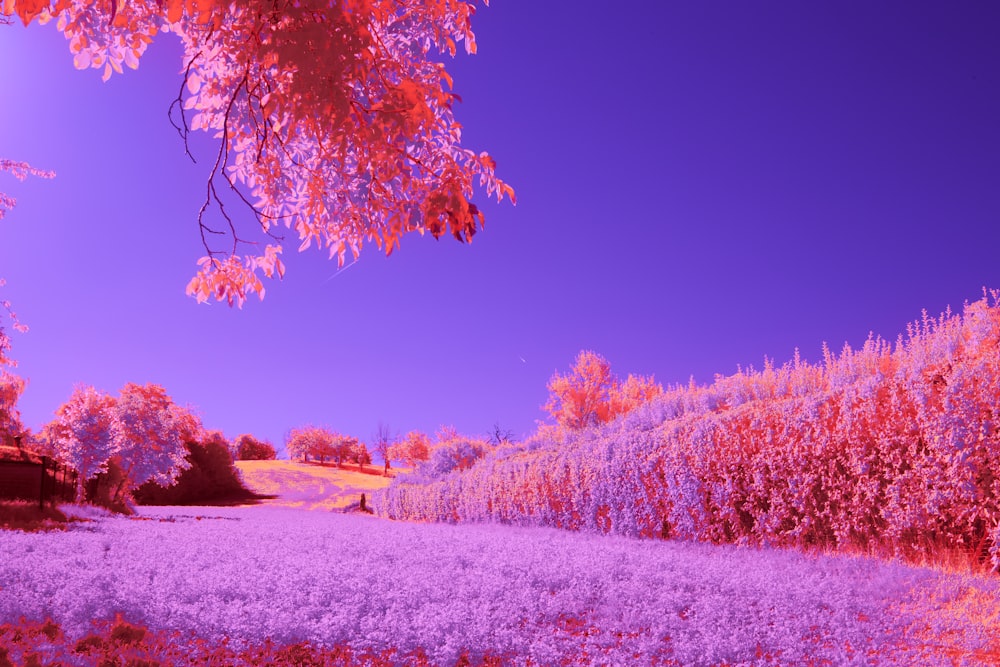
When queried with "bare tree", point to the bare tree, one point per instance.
{"points": [[500, 436], [382, 442]]}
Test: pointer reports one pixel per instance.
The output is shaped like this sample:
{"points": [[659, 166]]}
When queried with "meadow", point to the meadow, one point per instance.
{"points": [[309, 486], [734, 524], [239, 576]]}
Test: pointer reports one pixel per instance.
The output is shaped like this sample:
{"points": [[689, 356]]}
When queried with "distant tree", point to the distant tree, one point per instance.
{"points": [[311, 441], [580, 398], [384, 441], [343, 448], [500, 436], [333, 118], [82, 434], [325, 448], [249, 448], [296, 444], [415, 447], [590, 394], [453, 452], [446, 432], [360, 455]]}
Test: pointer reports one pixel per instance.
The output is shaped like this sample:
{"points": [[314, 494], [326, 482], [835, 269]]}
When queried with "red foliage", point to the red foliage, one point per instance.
{"points": [[591, 395], [249, 448], [321, 444], [415, 447]]}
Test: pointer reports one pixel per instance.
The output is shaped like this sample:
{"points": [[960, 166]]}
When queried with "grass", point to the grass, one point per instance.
{"points": [[956, 616], [926, 553], [311, 486]]}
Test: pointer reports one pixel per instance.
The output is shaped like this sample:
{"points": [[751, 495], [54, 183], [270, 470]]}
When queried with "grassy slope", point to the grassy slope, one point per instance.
{"points": [[309, 486]]}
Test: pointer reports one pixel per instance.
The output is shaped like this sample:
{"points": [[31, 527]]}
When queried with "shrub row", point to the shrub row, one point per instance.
{"points": [[884, 447]]}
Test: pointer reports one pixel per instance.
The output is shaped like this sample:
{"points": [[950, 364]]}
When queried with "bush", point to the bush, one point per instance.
{"points": [[249, 448], [457, 454], [211, 478]]}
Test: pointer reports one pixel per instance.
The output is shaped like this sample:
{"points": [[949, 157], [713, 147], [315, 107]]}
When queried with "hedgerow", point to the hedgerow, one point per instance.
{"points": [[889, 447]]}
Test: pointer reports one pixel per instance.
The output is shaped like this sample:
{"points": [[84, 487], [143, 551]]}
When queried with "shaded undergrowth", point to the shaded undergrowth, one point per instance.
{"points": [[29, 517]]}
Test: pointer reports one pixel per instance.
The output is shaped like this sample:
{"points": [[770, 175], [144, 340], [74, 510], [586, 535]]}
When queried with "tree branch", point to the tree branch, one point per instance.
{"points": [[183, 130]]}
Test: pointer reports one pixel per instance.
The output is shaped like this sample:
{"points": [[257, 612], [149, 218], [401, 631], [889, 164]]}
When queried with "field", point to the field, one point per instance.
{"points": [[308, 486], [237, 577]]}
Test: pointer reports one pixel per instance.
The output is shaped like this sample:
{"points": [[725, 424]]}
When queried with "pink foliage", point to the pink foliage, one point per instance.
{"points": [[142, 431], [81, 433], [321, 444], [20, 171], [11, 386], [149, 434], [412, 449], [886, 446], [333, 119]]}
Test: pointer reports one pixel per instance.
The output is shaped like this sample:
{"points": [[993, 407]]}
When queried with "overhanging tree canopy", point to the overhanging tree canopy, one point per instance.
{"points": [[333, 119]]}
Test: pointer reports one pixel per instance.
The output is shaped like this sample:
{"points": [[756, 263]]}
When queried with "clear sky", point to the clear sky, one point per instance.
{"points": [[699, 185]]}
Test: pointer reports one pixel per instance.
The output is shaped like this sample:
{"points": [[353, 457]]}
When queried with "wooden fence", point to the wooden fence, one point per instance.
{"points": [[37, 478]]}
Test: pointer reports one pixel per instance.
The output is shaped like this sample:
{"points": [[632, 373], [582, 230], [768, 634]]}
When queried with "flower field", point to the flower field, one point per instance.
{"points": [[240, 576]]}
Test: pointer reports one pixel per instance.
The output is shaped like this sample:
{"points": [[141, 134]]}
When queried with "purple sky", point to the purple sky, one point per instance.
{"points": [[699, 185]]}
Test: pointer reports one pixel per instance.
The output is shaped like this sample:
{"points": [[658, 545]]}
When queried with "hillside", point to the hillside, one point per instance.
{"points": [[308, 485]]}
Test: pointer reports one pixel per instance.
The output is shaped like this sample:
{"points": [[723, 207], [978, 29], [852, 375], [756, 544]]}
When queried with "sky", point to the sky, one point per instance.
{"points": [[700, 186]]}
